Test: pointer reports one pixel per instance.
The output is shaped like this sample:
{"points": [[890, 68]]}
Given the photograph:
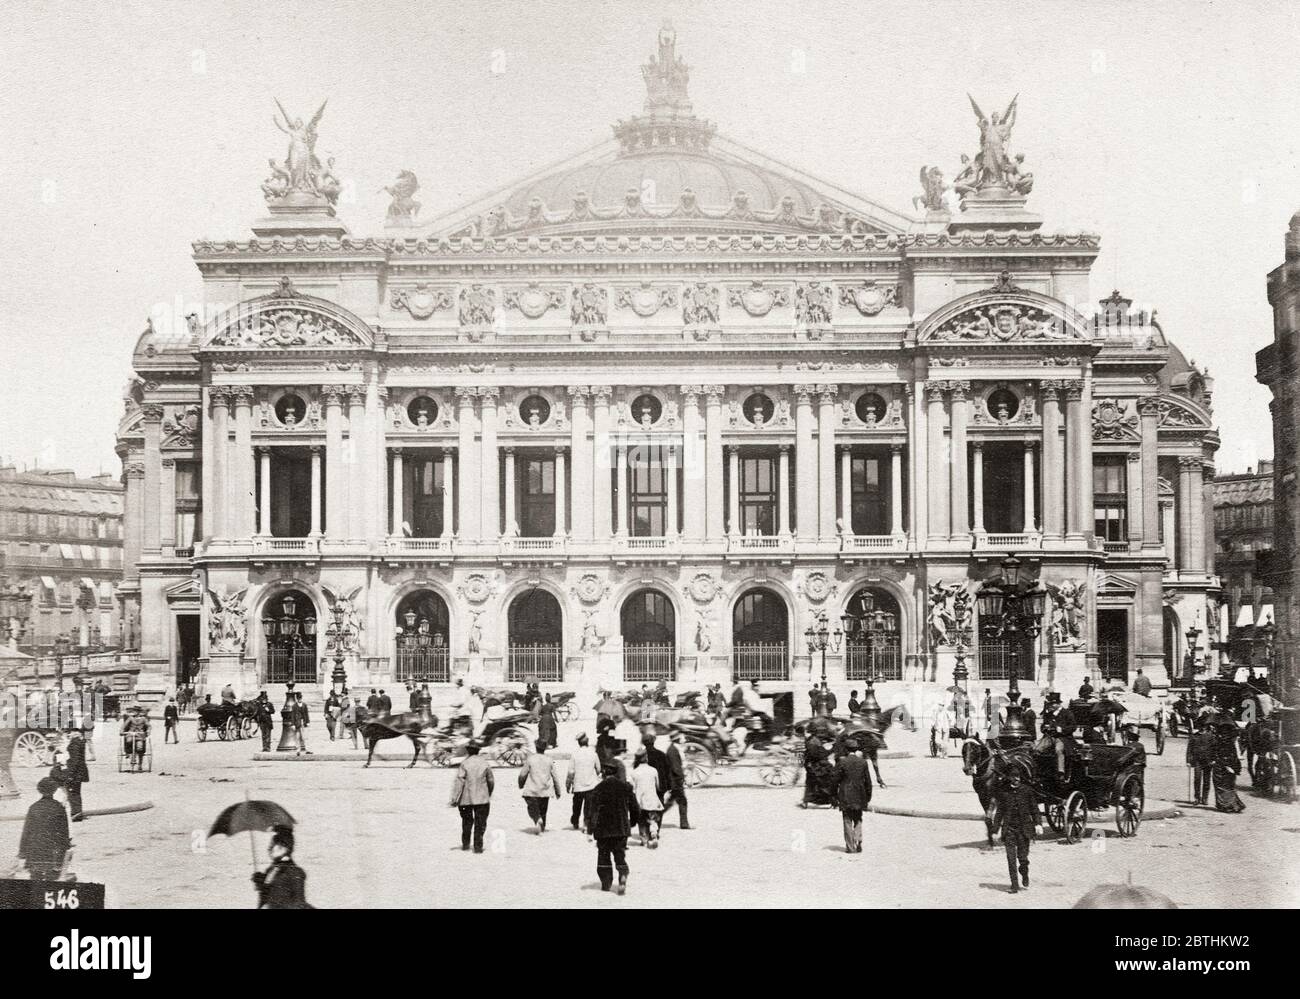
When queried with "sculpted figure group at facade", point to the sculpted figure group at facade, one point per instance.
{"points": [[301, 173]]}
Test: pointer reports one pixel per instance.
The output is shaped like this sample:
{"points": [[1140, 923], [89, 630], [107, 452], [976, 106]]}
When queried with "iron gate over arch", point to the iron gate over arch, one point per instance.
{"points": [[649, 630], [535, 643], [289, 625], [759, 637], [423, 639]]}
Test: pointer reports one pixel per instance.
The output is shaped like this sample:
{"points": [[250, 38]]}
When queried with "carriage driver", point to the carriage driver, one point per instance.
{"points": [[753, 707]]}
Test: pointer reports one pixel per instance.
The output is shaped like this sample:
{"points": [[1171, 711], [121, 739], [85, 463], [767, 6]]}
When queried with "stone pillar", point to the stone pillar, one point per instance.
{"points": [[133, 526], [805, 464], [602, 503], [1053, 470], [214, 505], [733, 504], [1136, 496], [846, 487], [315, 492], [1149, 412], [959, 509], [467, 460], [448, 493], [264, 521], [489, 468], [783, 490], [241, 465], [1031, 518], [1075, 430], [398, 494], [715, 501], [917, 461], [153, 415], [896, 490], [1194, 519], [694, 465], [205, 456], [512, 521], [1205, 535], [937, 463], [826, 397], [978, 449], [358, 454], [336, 473], [670, 475], [581, 464], [1083, 481], [167, 509], [377, 470], [621, 490]]}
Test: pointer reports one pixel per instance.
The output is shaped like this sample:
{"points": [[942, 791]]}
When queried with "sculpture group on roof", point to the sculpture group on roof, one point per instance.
{"points": [[301, 173]]}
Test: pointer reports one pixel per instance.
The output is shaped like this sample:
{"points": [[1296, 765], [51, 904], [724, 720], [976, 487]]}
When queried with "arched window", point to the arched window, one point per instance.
{"points": [[536, 638], [649, 630], [289, 626], [760, 637], [423, 638], [872, 647]]}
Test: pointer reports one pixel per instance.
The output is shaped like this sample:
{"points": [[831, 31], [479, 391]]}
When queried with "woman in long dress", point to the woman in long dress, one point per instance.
{"points": [[1225, 769]]}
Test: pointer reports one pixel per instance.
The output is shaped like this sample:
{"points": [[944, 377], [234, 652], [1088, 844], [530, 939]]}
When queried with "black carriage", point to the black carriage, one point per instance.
{"points": [[566, 705], [1275, 754], [1097, 777], [46, 716], [224, 719]]}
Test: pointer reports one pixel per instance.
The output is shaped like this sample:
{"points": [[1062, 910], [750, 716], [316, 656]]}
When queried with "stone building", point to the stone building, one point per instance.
{"points": [[60, 559], [1243, 534], [647, 414], [1276, 367]]}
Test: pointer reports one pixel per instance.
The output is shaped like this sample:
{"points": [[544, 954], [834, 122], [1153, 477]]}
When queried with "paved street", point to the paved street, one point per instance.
{"points": [[387, 836]]}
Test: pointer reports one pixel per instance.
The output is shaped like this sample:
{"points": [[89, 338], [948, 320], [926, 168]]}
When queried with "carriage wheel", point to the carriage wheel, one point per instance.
{"points": [[1076, 817], [1129, 800], [1288, 779], [1160, 738], [250, 727], [698, 763], [781, 770], [30, 750], [567, 711], [235, 726], [223, 732], [203, 730], [1056, 816], [511, 746]]}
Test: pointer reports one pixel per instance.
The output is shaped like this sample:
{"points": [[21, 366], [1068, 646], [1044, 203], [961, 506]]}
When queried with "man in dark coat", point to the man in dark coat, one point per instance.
{"points": [[1029, 717], [677, 779], [265, 716], [658, 761], [1200, 757], [854, 706], [75, 772], [547, 730], [301, 720], [45, 838], [851, 780], [1085, 689], [385, 703], [611, 812], [471, 793], [1017, 816], [170, 717], [373, 704], [282, 885]]}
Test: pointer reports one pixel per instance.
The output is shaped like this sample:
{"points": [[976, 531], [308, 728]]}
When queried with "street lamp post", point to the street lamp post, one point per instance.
{"points": [[1014, 604], [339, 634], [820, 638], [288, 630], [871, 623], [1193, 638]]}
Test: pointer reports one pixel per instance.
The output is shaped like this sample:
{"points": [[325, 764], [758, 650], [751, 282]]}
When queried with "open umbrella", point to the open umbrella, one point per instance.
{"points": [[250, 816]]}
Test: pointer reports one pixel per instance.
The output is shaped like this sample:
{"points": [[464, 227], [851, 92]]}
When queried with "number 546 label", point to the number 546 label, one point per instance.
{"points": [[64, 898]]}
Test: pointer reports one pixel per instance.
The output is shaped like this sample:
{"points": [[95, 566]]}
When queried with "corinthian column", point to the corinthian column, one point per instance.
{"points": [[214, 505], [805, 464], [978, 449], [937, 463], [467, 458], [1149, 412], [1053, 470], [1075, 429], [693, 465], [600, 486], [336, 507], [490, 517], [153, 415], [733, 507], [241, 468], [826, 396], [960, 508], [448, 492], [1031, 521], [358, 454], [896, 490], [581, 461], [716, 502]]}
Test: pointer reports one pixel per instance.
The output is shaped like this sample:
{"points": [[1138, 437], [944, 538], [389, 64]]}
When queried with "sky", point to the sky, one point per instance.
{"points": [[129, 130]]}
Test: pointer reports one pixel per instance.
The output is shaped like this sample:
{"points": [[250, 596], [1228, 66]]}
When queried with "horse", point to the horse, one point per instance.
{"points": [[977, 763], [412, 724]]}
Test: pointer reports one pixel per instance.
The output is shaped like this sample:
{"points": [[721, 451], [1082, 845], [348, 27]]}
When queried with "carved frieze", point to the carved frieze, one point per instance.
{"points": [[477, 307], [287, 327], [590, 589], [1114, 420], [813, 307], [870, 298], [421, 301], [533, 300], [645, 299], [1004, 322], [757, 298], [701, 305], [590, 306]]}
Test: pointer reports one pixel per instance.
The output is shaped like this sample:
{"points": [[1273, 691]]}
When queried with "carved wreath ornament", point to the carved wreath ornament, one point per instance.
{"points": [[590, 589], [702, 588], [476, 588], [817, 586]]}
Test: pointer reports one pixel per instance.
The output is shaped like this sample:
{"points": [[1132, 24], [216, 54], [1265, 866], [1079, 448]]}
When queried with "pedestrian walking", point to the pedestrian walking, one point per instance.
{"points": [[677, 780], [611, 807], [351, 719], [658, 759], [645, 784], [584, 775], [283, 885], [301, 720], [265, 719], [1029, 717], [75, 772], [537, 781], [851, 780], [45, 840], [385, 703], [373, 703], [332, 712], [171, 716], [1200, 758], [1017, 816], [1227, 764], [547, 729], [471, 792]]}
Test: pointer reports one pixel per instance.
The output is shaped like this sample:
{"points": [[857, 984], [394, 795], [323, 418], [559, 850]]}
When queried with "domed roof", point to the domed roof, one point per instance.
{"points": [[667, 170]]}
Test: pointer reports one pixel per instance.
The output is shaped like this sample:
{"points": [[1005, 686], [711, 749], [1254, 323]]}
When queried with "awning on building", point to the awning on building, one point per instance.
{"points": [[1265, 615], [68, 552], [1245, 616], [87, 582], [48, 582], [88, 552]]}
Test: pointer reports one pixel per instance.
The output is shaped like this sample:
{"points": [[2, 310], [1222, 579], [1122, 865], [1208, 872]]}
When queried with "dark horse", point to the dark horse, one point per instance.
{"points": [[415, 725], [977, 764]]}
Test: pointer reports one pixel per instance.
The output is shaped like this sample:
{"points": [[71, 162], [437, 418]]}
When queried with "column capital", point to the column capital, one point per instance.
{"points": [[134, 470], [1031, 445], [152, 412], [579, 393], [1149, 407], [600, 394], [263, 449], [1073, 389], [508, 450], [690, 393], [827, 393], [333, 394], [803, 394], [896, 448], [465, 394], [561, 450], [934, 391], [1050, 388], [959, 390], [242, 394], [316, 449], [356, 395], [169, 463], [447, 451], [977, 444], [392, 450], [785, 448], [381, 392], [733, 449], [1134, 457], [489, 393], [220, 395], [1190, 461], [714, 394]]}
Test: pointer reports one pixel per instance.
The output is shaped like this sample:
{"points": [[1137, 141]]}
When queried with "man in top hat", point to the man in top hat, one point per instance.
{"points": [[75, 772], [610, 810], [282, 885], [851, 781], [1200, 757], [373, 704], [265, 719], [1017, 816], [854, 705], [45, 840], [1142, 684], [677, 779], [385, 702], [171, 715]]}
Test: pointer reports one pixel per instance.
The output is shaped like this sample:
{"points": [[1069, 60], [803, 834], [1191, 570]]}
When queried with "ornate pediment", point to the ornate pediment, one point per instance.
{"points": [[1004, 313], [1180, 414], [1115, 420], [285, 319]]}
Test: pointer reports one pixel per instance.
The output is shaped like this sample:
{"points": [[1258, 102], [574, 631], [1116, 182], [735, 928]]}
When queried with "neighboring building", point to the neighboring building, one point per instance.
{"points": [[1243, 533], [648, 413], [60, 559], [1276, 366]]}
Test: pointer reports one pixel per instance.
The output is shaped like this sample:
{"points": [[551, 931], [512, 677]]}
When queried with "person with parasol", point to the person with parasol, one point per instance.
{"points": [[283, 884]]}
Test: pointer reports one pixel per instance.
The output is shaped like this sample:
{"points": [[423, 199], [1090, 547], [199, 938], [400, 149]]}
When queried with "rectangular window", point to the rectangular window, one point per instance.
{"points": [[1110, 496], [189, 503], [870, 495], [291, 492], [536, 486], [758, 495], [422, 493], [648, 491]]}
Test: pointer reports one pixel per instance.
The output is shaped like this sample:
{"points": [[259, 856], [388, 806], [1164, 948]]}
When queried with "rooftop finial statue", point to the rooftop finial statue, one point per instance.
{"points": [[301, 172], [667, 75], [994, 167]]}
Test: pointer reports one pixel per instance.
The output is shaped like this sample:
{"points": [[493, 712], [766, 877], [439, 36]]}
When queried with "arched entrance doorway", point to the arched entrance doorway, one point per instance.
{"points": [[873, 648], [1173, 668], [289, 625], [535, 643], [422, 638], [649, 629], [760, 635]]}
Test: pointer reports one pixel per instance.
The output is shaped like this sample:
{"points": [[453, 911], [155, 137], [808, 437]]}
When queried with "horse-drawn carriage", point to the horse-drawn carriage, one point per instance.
{"points": [[228, 719], [709, 746], [1273, 753], [47, 715], [506, 739]]}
